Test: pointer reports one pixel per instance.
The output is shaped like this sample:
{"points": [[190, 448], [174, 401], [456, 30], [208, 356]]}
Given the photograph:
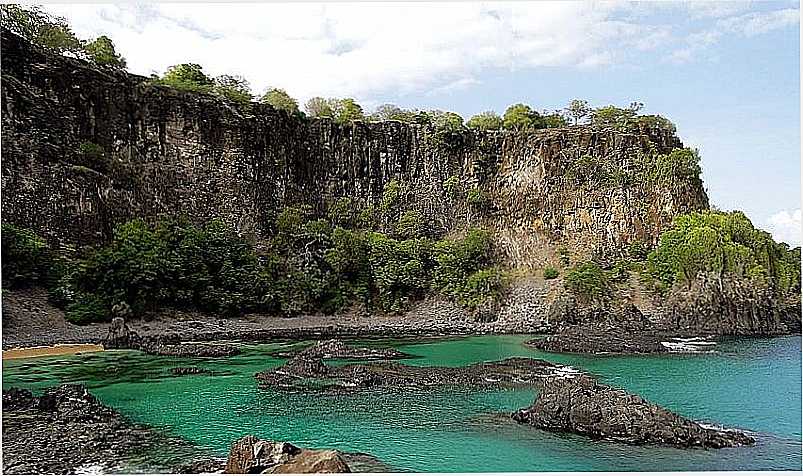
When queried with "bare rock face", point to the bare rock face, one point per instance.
{"points": [[583, 406], [250, 455], [194, 155]]}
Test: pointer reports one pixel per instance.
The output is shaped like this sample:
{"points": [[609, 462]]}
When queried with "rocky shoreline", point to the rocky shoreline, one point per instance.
{"points": [[67, 430]]}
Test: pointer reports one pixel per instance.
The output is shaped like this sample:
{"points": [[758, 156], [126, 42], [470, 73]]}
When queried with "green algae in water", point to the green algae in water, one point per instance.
{"points": [[749, 383]]}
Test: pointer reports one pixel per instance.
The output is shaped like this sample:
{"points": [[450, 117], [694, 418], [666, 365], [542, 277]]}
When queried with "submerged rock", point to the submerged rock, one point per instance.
{"points": [[250, 455], [188, 371], [337, 349], [583, 406]]}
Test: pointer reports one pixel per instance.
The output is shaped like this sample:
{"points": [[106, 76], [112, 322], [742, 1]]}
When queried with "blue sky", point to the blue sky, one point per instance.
{"points": [[726, 73]]}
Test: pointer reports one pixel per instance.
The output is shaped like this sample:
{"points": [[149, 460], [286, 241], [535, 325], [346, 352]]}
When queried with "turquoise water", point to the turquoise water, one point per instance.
{"points": [[753, 384]]}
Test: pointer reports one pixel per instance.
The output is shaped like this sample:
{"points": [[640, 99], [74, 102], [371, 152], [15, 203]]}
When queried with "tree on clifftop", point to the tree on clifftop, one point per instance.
{"points": [[485, 121], [188, 77], [279, 99], [40, 28], [319, 107], [341, 110], [233, 88], [101, 51], [578, 110], [519, 117]]}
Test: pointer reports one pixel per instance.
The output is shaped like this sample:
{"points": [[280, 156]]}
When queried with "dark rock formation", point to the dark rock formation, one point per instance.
{"points": [[337, 349], [65, 429], [583, 406], [251, 455], [604, 330], [715, 305], [121, 336], [188, 371], [194, 155], [303, 373]]}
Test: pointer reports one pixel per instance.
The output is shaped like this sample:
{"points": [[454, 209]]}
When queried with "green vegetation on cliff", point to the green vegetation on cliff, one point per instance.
{"points": [[723, 243]]}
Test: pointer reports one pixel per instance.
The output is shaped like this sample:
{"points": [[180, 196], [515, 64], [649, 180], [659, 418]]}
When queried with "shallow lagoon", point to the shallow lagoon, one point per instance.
{"points": [[753, 384]]}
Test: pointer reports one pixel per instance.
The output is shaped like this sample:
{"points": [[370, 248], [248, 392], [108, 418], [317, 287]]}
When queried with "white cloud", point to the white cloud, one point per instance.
{"points": [[368, 50], [786, 226], [744, 25]]}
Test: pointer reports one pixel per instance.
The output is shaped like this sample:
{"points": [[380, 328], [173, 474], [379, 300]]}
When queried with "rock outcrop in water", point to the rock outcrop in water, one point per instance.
{"points": [[583, 406], [312, 374], [121, 336], [251, 455]]}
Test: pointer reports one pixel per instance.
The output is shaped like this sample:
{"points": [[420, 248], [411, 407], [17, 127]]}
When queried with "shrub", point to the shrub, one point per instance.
{"points": [[481, 287], [587, 280], [26, 257], [452, 186], [476, 197], [88, 308], [550, 273], [390, 196], [410, 225], [343, 212]]}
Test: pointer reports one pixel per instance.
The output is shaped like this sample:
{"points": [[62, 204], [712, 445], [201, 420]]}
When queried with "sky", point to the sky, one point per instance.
{"points": [[726, 73]]}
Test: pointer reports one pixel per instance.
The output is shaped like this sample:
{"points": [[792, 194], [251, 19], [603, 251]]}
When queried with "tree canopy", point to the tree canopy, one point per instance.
{"points": [[724, 243], [485, 121], [101, 51], [279, 99]]}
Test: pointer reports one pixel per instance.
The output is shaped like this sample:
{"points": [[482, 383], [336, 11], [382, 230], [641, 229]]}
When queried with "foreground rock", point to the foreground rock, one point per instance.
{"points": [[337, 349], [311, 374], [583, 406], [250, 455], [65, 429], [120, 336]]}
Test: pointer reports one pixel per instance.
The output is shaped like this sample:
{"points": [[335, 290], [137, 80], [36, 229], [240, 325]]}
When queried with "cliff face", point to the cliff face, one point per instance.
{"points": [[171, 152]]}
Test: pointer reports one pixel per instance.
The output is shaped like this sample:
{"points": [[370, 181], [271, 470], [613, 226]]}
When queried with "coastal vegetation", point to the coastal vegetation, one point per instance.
{"points": [[309, 265]]}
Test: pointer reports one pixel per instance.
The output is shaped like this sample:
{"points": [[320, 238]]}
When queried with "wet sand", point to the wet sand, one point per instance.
{"points": [[58, 349]]}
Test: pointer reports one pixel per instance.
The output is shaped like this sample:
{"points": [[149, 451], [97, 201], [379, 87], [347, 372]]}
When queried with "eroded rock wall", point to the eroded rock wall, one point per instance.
{"points": [[177, 153]]}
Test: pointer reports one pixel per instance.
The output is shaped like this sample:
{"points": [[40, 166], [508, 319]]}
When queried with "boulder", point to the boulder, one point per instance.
{"points": [[120, 336], [250, 455], [337, 349], [581, 405]]}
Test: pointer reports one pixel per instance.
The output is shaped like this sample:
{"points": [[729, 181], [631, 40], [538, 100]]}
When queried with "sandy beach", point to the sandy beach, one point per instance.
{"points": [[44, 351]]}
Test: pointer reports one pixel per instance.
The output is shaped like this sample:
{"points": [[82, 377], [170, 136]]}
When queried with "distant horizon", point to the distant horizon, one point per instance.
{"points": [[725, 73]]}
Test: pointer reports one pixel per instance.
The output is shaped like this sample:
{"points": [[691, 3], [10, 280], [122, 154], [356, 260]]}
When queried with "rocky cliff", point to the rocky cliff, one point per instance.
{"points": [[164, 151]]}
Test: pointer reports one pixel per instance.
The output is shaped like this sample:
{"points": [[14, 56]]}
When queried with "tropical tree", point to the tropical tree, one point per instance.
{"points": [[521, 117], [319, 107], [188, 77], [101, 51], [233, 88], [40, 28], [279, 99], [578, 110], [485, 121]]}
